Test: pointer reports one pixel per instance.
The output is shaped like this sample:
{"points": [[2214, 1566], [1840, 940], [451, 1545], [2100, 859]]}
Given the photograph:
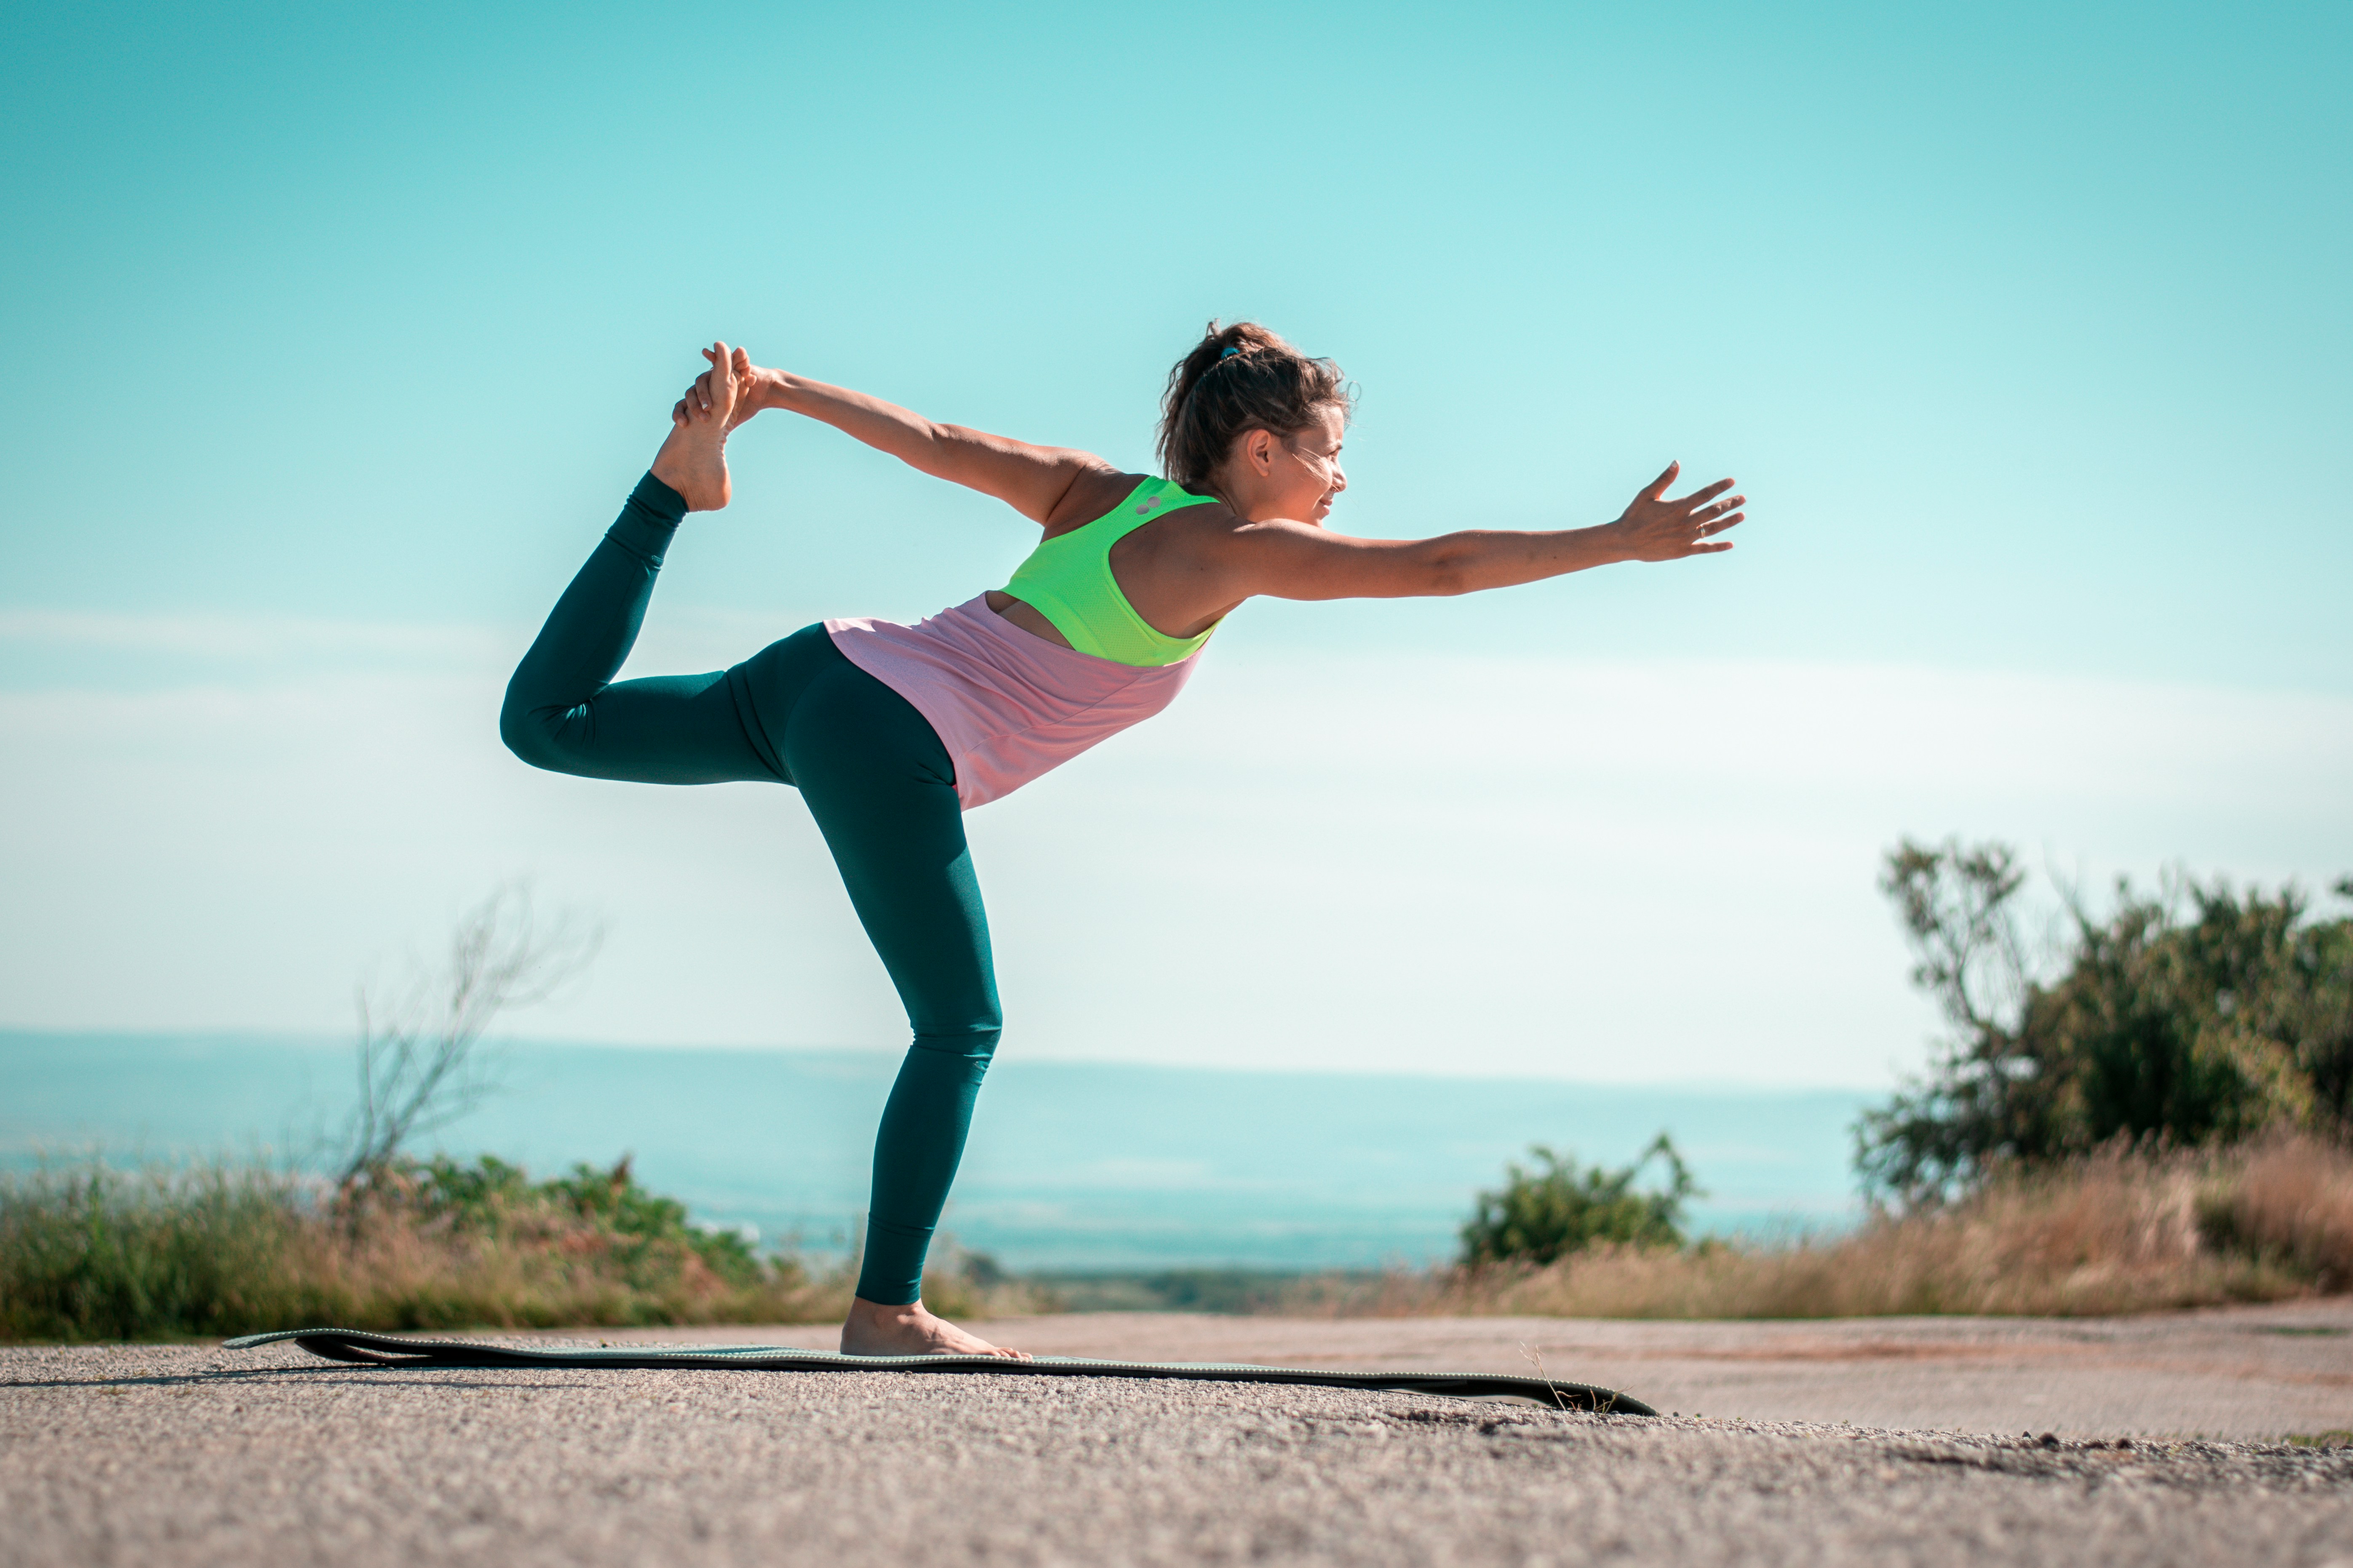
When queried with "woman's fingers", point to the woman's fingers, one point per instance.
{"points": [[1660, 528], [1705, 494], [1655, 492]]}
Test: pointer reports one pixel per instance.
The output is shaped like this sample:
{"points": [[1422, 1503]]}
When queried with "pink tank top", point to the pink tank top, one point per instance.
{"points": [[1007, 705]]}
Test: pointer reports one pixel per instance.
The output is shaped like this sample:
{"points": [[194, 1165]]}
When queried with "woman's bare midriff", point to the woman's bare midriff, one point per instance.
{"points": [[1026, 616]]}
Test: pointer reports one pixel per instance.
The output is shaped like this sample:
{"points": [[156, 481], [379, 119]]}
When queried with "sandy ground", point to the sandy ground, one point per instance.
{"points": [[1889, 1441]]}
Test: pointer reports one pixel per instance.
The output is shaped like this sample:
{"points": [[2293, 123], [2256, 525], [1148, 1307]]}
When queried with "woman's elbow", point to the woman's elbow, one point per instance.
{"points": [[1445, 573]]}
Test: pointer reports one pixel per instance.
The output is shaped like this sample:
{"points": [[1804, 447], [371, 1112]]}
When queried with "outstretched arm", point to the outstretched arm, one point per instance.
{"points": [[1032, 480], [1297, 560]]}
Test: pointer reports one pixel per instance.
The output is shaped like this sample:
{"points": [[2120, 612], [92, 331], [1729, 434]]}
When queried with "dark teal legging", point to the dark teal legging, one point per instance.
{"points": [[883, 793]]}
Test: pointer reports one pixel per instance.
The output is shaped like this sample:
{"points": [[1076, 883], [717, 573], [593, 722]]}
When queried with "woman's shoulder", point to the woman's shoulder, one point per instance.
{"points": [[1099, 492], [1094, 493]]}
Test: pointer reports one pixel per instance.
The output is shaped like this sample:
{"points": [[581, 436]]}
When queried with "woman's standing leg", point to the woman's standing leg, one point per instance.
{"points": [[882, 790]]}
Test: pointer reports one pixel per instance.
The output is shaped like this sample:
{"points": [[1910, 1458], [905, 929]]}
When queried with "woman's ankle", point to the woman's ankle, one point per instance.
{"points": [[657, 499]]}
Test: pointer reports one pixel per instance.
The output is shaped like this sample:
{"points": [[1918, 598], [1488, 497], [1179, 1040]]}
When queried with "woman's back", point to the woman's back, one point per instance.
{"points": [[1070, 581]]}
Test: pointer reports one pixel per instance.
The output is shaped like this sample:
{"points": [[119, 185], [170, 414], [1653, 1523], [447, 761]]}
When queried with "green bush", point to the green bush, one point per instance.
{"points": [[642, 1231], [2196, 1016], [1546, 1214]]}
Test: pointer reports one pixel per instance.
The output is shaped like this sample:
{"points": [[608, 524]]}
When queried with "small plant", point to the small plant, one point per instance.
{"points": [[492, 1202], [2336, 1439], [1546, 1214]]}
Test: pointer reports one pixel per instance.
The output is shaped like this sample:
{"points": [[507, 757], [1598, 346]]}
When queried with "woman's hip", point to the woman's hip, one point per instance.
{"points": [[829, 726]]}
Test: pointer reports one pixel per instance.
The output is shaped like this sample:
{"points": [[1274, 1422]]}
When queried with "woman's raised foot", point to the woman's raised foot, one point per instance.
{"points": [[873, 1329], [694, 461]]}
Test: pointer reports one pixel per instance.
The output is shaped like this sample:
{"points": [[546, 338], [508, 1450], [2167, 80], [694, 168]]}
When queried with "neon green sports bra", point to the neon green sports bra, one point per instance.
{"points": [[1068, 580]]}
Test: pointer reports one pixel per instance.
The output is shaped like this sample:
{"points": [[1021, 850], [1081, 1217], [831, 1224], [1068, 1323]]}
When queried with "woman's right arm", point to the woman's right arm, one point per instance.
{"points": [[1032, 480], [1286, 560]]}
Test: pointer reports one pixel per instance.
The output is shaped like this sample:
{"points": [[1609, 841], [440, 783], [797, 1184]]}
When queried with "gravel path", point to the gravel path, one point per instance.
{"points": [[169, 1455]]}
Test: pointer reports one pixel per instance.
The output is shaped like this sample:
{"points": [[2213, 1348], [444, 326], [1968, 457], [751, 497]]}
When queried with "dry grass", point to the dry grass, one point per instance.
{"points": [[93, 1254], [2116, 1233], [400, 1277], [97, 1255], [396, 1275]]}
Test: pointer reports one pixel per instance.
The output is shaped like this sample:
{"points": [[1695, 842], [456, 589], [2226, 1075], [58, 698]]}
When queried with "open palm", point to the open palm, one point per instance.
{"points": [[1659, 529]]}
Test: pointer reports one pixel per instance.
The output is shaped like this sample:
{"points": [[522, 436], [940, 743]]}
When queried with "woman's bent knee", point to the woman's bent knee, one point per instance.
{"points": [[529, 735]]}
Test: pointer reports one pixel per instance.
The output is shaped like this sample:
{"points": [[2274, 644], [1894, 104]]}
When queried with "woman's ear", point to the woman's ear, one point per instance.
{"points": [[1259, 446]]}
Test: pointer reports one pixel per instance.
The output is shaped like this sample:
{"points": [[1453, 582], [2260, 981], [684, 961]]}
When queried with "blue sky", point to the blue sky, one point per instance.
{"points": [[331, 339]]}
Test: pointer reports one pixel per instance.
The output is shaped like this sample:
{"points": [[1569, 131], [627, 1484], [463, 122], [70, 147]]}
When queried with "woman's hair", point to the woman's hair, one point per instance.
{"points": [[1239, 378]]}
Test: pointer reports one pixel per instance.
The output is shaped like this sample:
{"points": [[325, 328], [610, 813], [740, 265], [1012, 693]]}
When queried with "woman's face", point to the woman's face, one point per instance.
{"points": [[1295, 476], [1315, 455]]}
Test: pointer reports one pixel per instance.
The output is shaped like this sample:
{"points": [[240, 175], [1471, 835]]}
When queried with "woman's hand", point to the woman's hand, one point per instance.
{"points": [[742, 381], [1654, 528]]}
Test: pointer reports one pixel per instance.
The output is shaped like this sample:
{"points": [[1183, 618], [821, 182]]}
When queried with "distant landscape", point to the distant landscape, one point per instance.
{"points": [[1073, 1167], [2156, 1119]]}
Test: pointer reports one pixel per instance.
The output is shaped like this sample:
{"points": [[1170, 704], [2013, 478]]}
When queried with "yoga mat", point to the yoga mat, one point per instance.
{"points": [[389, 1350]]}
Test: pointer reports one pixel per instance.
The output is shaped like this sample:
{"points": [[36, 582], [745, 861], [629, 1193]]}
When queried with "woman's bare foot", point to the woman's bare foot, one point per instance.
{"points": [[873, 1329], [694, 461]]}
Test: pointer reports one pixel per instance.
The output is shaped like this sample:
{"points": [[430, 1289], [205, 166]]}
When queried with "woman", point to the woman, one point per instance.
{"points": [[890, 731]]}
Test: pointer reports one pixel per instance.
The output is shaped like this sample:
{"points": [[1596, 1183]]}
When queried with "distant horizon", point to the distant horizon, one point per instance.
{"points": [[327, 1041], [1071, 1164]]}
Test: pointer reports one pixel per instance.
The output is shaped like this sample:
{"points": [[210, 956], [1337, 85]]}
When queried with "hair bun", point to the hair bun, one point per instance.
{"points": [[1271, 386]]}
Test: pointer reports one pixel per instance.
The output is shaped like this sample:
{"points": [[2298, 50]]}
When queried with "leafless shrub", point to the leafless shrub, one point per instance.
{"points": [[419, 1057]]}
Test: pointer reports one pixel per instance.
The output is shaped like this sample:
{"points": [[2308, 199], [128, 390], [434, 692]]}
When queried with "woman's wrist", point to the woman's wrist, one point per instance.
{"points": [[773, 389], [1616, 538], [1599, 544]]}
